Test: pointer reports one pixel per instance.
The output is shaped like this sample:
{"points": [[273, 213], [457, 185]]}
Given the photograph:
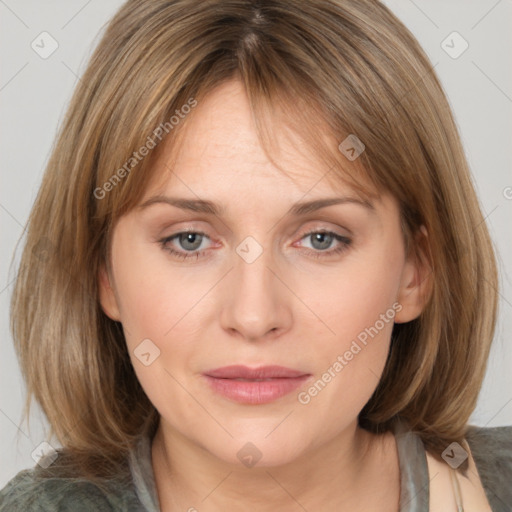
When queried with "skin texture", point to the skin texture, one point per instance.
{"points": [[442, 493], [287, 308]]}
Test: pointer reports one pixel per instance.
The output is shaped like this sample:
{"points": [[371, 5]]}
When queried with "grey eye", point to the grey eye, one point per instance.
{"points": [[321, 241], [190, 241]]}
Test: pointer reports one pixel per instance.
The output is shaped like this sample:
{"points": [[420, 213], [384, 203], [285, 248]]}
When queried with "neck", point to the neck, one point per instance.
{"points": [[353, 471]]}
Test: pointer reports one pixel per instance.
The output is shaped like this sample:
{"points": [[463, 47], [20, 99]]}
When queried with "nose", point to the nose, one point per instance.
{"points": [[256, 302]]}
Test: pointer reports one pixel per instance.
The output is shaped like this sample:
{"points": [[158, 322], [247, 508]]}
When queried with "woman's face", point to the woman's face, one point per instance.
{"points": [[257, 285]]}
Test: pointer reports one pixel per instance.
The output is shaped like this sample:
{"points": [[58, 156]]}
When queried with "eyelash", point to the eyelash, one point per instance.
{"points": [[344, 244]]}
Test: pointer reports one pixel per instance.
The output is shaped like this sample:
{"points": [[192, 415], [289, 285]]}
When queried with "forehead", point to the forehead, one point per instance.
{"points": [[219, 151]]}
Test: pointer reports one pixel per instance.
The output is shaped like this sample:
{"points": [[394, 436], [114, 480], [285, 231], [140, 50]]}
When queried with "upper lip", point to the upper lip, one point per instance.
{"points": [[261, 372]]}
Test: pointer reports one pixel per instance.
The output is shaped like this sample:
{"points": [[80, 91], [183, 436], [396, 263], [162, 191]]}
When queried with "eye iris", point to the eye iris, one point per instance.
{"points": [[325, 240], [194, 238]]}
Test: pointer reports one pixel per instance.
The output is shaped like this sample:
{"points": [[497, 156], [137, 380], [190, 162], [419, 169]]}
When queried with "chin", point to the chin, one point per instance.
{"points": [[260, 450]]}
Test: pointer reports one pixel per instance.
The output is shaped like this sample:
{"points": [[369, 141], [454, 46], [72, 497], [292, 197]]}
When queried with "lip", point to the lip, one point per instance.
{"points": [[254, 386]]}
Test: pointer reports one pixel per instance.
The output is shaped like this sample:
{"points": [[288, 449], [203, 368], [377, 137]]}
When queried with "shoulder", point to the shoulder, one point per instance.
{"points": [[28, 492], [491, 448]]}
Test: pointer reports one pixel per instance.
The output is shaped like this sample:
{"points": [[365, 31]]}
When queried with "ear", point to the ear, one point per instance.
{"points": [[108, 299], [417, 279]]}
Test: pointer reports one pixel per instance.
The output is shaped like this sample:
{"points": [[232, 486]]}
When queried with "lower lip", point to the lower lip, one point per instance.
{"points": [[255, 392]]}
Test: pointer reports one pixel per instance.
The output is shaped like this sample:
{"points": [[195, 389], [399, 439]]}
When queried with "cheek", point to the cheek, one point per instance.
{"points": [[152, 296], [350, 363], [357, 306], [353, 298], [157, 303]]}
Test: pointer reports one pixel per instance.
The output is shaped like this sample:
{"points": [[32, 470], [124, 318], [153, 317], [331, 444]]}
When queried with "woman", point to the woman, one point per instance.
{"points": [[321, 343]]}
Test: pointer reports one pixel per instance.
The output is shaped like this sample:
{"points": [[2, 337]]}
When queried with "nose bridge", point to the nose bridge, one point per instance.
{"points": [[257, 302]]}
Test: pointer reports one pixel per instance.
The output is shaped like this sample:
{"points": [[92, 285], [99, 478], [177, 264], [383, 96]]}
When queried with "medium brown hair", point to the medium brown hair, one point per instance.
{"points": [[348, 65]]}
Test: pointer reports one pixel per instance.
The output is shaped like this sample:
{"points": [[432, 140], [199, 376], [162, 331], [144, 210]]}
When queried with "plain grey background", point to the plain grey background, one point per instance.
{"points": [[35, 91]]}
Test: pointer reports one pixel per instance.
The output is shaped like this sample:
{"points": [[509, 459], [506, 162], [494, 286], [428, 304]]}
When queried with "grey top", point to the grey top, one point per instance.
{"points": [[491, 449]]}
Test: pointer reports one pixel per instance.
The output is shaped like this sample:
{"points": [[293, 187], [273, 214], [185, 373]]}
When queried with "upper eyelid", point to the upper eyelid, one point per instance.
{"points": [[318, 225], [306, 233]]}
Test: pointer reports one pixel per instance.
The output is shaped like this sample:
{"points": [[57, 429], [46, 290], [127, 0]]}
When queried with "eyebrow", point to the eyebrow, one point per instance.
{"points": [[211, 208]]}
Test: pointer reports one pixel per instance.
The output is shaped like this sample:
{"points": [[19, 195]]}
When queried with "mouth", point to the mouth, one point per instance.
{"points": [[254, 385]]}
